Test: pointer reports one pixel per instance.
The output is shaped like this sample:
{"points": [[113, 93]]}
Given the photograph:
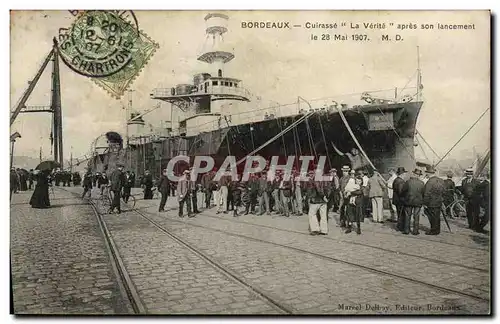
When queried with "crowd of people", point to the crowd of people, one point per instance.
{"points": [[355, 195]]}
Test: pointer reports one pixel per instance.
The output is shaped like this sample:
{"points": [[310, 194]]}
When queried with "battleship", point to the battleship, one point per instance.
{"points": [[217, 117]]}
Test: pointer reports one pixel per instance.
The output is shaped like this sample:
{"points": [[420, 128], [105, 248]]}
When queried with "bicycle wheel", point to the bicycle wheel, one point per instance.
{"points": [[109, 197], [131, 202], [458, 208]]}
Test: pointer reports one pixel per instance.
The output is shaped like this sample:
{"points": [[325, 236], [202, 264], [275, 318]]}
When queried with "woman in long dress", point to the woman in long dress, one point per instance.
{"points": [[40, 197]]}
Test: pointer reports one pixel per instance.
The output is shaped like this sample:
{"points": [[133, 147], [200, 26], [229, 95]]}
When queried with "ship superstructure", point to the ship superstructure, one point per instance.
{"points": [[207, 119]]}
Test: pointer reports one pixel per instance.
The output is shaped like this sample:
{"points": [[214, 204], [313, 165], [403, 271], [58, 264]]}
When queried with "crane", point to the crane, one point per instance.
{"points": [[55, 104]]}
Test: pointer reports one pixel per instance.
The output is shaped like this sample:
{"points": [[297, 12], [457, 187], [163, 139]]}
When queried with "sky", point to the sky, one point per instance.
{"points": [[275, 64]]}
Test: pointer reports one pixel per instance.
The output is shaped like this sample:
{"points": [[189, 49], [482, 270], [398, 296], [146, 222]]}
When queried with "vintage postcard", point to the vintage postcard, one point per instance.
{"points": [[250, 162]]}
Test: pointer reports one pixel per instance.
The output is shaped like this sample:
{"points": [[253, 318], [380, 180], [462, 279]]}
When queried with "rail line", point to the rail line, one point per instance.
{"points": [[332, 259], [132, 294], [229, 273], [124, 278], [350, 242], [367, 230]]}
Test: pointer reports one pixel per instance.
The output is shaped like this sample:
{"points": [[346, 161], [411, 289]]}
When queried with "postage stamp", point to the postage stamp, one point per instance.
{"points": [[108, 48]]}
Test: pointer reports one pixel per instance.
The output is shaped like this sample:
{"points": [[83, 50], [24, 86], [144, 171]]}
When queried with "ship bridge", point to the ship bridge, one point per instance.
{"points": [[204, 101], [215, 88]]}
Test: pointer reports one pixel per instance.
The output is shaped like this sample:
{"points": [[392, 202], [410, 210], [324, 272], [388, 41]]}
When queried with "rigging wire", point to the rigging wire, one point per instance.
{"points": [[251, 136], [428, 145], [324, 140], [354, 137], [282, 138], [295, 147], [422, 149], [407, 83], [460, 139], [311, 143], [294, 124], [395, 132]]}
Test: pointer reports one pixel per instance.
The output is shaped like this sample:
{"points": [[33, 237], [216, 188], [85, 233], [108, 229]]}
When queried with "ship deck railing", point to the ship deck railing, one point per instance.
{"points": [[212, 90]]}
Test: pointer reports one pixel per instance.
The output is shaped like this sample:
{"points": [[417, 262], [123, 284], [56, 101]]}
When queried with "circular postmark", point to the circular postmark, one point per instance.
{"points": [[99, 44]]}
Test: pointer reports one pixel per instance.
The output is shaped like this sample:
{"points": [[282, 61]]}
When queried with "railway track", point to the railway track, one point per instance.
{"points": [[231, 219], [123, 276], [129, 288], [276, 304], [332, 259]]}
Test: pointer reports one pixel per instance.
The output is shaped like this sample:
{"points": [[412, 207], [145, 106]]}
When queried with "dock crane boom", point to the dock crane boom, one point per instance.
{"points": [[29, 90]]}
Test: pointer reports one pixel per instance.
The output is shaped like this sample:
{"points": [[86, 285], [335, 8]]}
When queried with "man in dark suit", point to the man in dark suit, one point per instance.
{"points": [[193, 187], [127, 187], [31, 177], [413, 197], [87, 183], [14, 183], [163, 186], [397, 200], [433, 200], [117, 180], [483, 190], [183, 194], [206, 182], [468, 189], [147, 185]]}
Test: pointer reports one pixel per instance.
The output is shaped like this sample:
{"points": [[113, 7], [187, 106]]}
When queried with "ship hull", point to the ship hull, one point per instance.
{"points": [[385, 132]]}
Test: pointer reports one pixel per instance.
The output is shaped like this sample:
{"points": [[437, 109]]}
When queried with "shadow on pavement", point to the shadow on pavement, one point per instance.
{"points": [[481, 240], [66, 205]]}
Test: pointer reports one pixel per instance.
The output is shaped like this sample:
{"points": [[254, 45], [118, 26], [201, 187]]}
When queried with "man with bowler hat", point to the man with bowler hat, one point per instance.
{"points": [[433, 200], [397, 199], [413, 196]]}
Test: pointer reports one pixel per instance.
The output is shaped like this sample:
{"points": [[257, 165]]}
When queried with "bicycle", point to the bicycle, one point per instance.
{"points": [[131, 200], [156, 193], [107, 198]]}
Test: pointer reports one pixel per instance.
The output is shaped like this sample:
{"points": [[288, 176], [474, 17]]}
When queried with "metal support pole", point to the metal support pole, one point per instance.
{"points": [[12, 153], [56, 107]]}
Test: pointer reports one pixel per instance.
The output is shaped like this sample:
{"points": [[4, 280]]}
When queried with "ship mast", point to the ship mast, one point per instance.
{"points": [[204, 102], [419, 75]]}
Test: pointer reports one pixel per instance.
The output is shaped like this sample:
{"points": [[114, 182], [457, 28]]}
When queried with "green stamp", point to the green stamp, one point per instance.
{"points": [[104, 46]]}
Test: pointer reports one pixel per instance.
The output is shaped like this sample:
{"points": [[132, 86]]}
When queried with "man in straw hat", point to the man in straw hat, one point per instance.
{"points": [[413, 197], [433, 200], [468, 189], [376, 190]]}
